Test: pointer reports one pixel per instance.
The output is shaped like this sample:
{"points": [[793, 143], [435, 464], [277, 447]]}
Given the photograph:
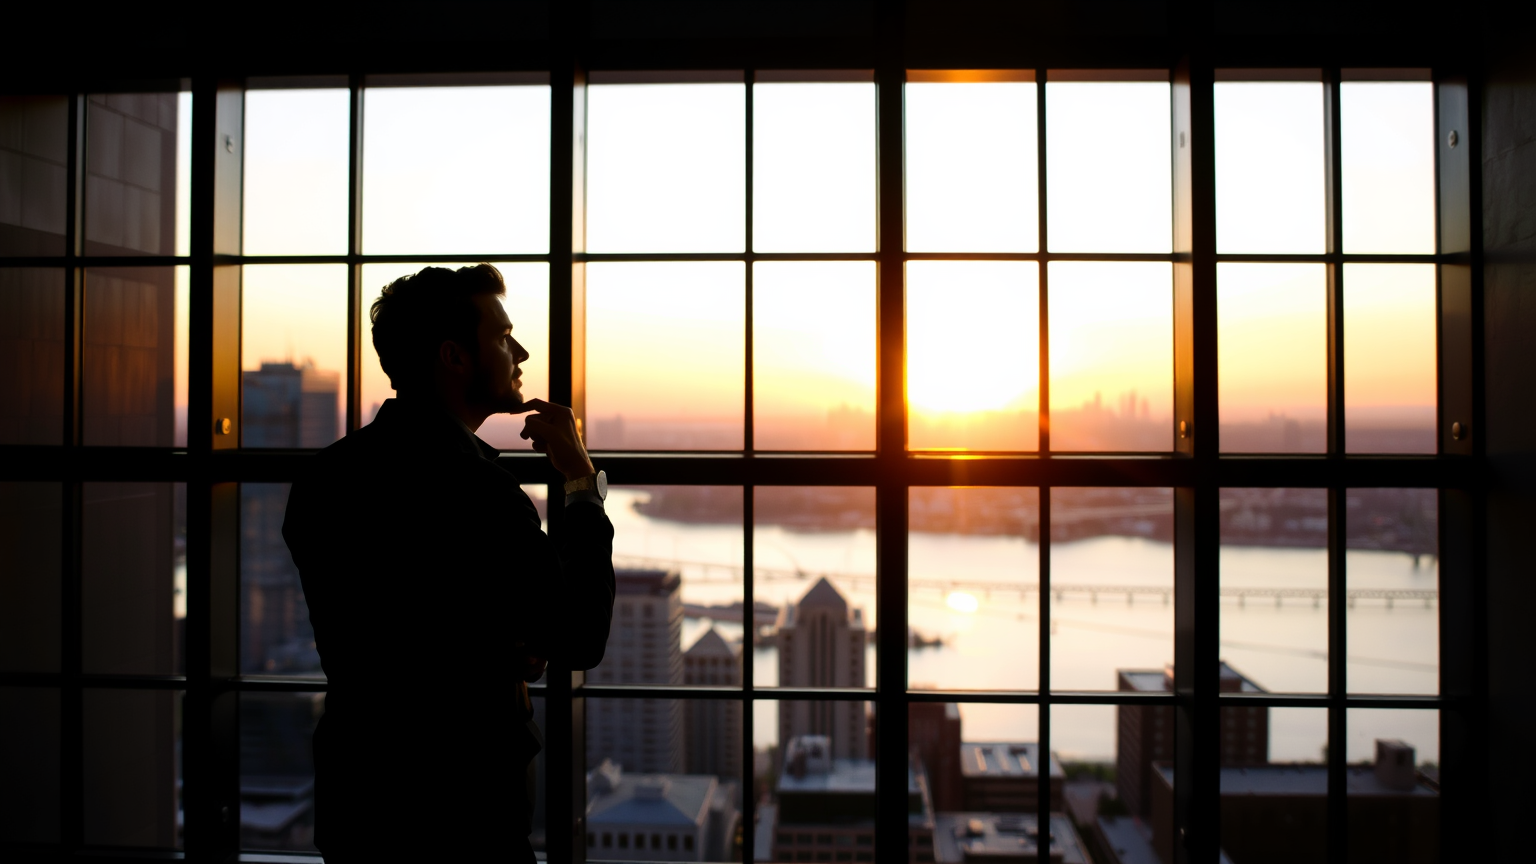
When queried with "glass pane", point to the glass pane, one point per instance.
{"points": [[1392, 572], [277, 770], [643, 801], [1390, 344], [31, 355], [1276, 809], [666, 168], [973, 582], [450, 170], [973, 355], [1108, 170], [295, 181], [1394, 785], [1269, 167], [1134, 745], [132, 172], [31, 522], [132, 345], [1387, 150], [813, 553], [293, 354], [132, 768], [34, 138], [813, 384], [527, 305], [815, 782], [813, 167], [133, 578], [1111, 339], [1272, 322], [666, 356], [678, 559], [29, 762], [972, 173], [1111, 584], [1274, 586], [275, 635]]}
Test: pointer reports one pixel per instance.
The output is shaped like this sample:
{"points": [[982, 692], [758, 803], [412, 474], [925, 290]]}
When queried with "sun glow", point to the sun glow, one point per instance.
{"points": [[972, 336], [962, 602]]}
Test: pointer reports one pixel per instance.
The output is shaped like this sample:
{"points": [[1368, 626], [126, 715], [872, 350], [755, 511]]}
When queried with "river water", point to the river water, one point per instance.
{"points": [[990, 636]]}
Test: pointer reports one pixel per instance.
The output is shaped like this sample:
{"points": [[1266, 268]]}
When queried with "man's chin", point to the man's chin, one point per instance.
{"points": [[512, 403]]}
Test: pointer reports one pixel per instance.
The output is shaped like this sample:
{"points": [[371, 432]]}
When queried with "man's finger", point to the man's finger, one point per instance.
{"points": [[530, 405]]}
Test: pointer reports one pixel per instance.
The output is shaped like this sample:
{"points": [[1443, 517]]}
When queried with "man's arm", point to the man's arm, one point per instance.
{"points": [[581, 605]]}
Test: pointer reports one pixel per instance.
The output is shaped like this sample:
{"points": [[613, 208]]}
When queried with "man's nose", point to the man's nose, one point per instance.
{"points": [[519, 353]]}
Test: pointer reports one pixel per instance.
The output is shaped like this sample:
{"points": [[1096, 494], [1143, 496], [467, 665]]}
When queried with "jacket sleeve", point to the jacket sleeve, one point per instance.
{"points": [[584, 592]]}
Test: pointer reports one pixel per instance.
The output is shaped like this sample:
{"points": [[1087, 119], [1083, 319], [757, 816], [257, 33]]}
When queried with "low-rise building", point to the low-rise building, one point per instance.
{"points": [[1004, 777], [659, 817], [1005, 838], [825, 808]]}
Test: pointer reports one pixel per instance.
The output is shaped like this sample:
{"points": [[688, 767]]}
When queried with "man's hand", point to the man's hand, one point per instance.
{"points": [[552, 429]]}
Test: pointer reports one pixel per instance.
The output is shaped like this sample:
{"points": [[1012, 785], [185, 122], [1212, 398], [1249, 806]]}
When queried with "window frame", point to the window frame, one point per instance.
{"points": [[213, 464]]}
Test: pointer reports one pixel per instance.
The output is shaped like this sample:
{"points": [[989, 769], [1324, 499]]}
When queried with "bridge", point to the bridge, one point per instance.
{"points": [[701, 572]]}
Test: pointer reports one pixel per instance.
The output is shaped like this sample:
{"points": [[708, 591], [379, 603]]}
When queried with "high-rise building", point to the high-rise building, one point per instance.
{"points": [[283, 405], [644, 647], [821, 644], [289, 406], [1146, 733], [712, 727]]}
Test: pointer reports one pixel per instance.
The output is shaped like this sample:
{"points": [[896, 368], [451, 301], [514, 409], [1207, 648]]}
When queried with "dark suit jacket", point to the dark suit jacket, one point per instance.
{"points": [[425, 569]]}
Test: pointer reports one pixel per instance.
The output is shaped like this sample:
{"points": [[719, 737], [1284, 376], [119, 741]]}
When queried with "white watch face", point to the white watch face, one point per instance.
{"points": [[602, 485]]}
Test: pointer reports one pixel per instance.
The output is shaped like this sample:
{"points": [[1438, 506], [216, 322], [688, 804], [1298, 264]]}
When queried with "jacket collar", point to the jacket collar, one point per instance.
{"points": [[434, 426]]}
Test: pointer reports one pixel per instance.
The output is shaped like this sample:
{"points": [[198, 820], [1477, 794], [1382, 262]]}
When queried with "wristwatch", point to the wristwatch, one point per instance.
{"points": [[597, 483]]}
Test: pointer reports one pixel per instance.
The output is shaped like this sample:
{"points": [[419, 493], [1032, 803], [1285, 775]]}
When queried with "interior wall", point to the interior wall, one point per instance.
{"points": [[1509, 292]]}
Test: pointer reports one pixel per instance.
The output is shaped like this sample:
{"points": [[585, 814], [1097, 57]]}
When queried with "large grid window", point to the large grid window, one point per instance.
{"points": [[993, 449]]}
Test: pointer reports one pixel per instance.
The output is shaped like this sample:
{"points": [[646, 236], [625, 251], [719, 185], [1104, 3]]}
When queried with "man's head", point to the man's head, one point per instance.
{"points": [[445, 332]]}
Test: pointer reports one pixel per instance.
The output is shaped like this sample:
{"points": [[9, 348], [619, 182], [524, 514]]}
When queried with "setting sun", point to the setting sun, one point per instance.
{"points": [[962, 602]]}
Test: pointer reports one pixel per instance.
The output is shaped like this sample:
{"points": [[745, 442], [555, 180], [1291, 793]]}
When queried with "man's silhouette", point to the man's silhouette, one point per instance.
{"points": [[433, 592]]}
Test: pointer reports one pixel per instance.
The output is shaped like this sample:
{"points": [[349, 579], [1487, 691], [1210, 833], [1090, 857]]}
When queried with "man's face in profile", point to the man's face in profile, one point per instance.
{"points": [[498, 377]]}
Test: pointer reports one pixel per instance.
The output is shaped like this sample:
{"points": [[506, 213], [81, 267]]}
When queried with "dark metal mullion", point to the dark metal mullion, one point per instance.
{"points": [[354, 370], [748, 440], [748, 671], [1043, 329], [565, 719], [891, 491], [1338, 715], [71, 692], [748, 503]]}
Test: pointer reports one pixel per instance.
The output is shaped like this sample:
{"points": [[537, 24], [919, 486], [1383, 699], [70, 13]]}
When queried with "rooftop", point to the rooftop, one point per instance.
{"points": [[712, 644], [655, 582], [1004, 759], [1156, 680], [961, 837], [822, 595], [1302, 779], [677, 800], [1129, 838]]}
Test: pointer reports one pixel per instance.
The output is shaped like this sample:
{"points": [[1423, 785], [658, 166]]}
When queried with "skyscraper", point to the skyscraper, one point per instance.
{"points": [[644, 647], [821, 644], [712, 727], [283, 406]]}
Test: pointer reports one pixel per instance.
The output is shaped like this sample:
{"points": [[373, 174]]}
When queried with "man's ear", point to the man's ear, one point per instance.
{"points": [[453, 356]]}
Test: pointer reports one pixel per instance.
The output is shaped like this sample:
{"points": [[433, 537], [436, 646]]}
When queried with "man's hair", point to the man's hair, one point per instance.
{"points": [[417, 313]]}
